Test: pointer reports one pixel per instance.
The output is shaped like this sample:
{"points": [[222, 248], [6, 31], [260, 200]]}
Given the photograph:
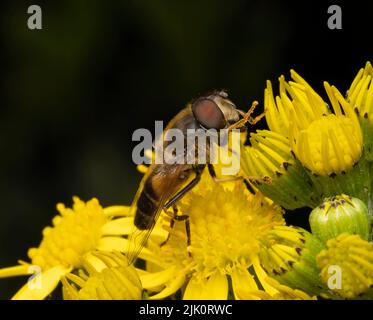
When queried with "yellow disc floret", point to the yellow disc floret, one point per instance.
{"points": [[226, 225], [354, 258], [75, 232]]}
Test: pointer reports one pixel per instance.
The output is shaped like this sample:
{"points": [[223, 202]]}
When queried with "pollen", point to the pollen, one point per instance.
{"points": [[226, 226], [75, 232]]}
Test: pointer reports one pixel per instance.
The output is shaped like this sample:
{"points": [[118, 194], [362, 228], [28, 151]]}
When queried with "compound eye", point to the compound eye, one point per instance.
{"points": [[208, 114]]}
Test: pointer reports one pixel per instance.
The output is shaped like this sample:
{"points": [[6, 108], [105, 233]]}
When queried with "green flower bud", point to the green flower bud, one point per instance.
{"points": [[289, 256], [340, 214]]}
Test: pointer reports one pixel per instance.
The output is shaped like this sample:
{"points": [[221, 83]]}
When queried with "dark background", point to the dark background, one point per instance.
{"points": [[73, 93]]}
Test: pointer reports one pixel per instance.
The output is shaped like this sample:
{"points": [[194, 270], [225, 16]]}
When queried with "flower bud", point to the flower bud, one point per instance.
{"points": [[340, 214], [284, 180], [115, 281], [351, 258], [289, 256]]}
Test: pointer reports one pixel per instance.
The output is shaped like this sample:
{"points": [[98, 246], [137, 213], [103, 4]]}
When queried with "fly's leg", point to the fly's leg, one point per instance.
{"points": [[266, 179], [246, 117], [213, 175], [255, 120], [177, 217], [259, 180], [185, 218], [172, 224]]}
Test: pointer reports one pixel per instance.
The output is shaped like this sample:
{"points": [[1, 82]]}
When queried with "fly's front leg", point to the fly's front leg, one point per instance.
{"points": [[246, 117], [265, 179], [259, 180], [253, 121]]}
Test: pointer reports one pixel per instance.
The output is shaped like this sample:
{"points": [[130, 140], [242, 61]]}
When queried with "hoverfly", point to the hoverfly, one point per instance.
{"points": [[164, 184]]}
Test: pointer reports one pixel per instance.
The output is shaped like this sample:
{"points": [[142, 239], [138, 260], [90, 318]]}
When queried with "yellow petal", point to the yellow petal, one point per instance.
{"points": [[15, 271], [262, 276], [242, 283], [215, 288], [153, 280], [141, 272], [153, 267], [116, 211], [68, 291], [112, 243], [149, 256], [159, 235], [121, 244], [171, 288], [95, 262], [41, 286], [119, 226]]}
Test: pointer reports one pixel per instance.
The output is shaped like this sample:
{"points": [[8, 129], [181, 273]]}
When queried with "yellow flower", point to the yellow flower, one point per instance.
{"points": [[289, 256], [283, 293], [325, 142], [114, 280], [226, 224], [330, 145], [75, 233], [360, 96], [328, 141], [354, 257], [297, 102], [270, 155]]}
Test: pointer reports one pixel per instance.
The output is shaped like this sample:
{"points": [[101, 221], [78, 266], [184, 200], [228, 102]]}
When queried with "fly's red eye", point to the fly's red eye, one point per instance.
{"points": [[208, 114]]}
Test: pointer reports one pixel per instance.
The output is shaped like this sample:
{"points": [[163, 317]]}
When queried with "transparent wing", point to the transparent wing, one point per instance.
{"points": [[138, 238]]}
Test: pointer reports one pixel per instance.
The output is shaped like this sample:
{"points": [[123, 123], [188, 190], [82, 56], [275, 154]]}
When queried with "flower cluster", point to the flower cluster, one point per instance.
{"points": [[316, 154]]}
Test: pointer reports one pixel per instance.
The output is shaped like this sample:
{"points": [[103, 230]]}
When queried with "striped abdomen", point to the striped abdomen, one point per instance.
{"points": [[147, 205]]}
